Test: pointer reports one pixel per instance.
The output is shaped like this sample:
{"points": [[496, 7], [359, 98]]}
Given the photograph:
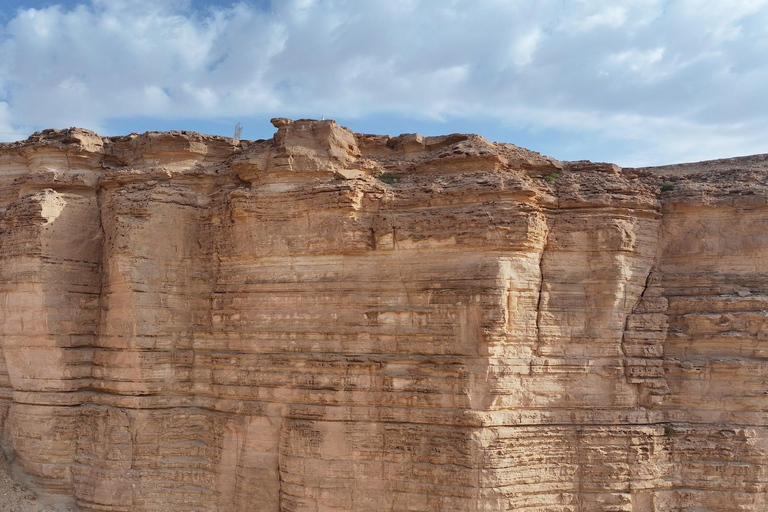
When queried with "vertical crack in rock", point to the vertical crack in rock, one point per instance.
{"points": [[102, 274], [643, 354], [541, 295], [544, 247], [637, 303], [626, 357]]}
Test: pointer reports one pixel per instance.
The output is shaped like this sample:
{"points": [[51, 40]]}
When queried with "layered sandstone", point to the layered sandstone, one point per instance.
{"points": [[334, 321]]}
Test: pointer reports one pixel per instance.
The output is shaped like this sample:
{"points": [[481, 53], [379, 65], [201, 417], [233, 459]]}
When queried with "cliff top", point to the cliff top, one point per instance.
{"points": [[314, 146]]}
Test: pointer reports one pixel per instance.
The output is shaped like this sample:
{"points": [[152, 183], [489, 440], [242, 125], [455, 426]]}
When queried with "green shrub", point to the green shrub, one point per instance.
{"points": [[388, 177], [550, 177], [666, 187]]}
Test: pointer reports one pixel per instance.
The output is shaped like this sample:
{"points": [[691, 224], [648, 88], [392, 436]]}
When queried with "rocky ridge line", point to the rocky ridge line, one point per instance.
{"points": [[336, 321]]}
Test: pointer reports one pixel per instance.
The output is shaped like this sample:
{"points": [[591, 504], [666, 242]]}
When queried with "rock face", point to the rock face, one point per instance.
{"points": [[334, 321]]}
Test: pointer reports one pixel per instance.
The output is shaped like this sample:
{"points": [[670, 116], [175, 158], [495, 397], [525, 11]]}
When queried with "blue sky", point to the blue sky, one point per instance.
{"points": [[637, 82]]}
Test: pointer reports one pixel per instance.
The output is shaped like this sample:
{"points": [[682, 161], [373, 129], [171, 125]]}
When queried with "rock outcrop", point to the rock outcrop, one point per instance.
{"points": [[335, 321]]}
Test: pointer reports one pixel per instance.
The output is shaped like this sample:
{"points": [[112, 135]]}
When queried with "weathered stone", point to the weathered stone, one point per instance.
{"points": [[334, 321]]}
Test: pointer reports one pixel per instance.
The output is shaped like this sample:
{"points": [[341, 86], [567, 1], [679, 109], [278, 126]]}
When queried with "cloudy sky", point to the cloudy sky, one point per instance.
{"points": [[635, 82]]}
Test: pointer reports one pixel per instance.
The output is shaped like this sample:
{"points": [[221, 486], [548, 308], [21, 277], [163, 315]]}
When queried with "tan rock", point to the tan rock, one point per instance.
{"points": [[299, 150], [335, 321]]}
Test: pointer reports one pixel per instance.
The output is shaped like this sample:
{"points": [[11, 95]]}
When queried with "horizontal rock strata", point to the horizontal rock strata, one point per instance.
{"points": [[331, 321]]}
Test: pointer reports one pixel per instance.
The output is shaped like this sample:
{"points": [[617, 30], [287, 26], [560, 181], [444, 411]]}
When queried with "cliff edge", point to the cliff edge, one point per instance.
{"points": [[336, 321]]}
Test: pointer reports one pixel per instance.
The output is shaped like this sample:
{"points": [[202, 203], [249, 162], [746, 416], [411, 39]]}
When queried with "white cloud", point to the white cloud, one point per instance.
{"points": [[612, 16], [10, 131], [524, 47], [637, 60], [662, 77]]}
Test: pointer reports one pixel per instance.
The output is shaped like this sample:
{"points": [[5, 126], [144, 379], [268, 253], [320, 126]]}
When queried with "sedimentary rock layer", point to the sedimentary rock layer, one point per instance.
{"points": [[334, 321]]}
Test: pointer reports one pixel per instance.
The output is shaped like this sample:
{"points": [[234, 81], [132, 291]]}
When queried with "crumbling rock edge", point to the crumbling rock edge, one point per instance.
{"points": [[335, 321]]}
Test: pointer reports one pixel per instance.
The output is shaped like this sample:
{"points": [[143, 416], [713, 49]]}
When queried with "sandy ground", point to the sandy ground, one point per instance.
{"points": [[14, 497]]}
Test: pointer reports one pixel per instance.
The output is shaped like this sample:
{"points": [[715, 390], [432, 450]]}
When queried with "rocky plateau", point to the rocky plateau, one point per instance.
{"points": [[331, 321]]}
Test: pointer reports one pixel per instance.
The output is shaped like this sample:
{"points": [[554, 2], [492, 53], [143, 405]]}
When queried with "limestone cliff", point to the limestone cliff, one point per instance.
{"points": [[334, 321]]}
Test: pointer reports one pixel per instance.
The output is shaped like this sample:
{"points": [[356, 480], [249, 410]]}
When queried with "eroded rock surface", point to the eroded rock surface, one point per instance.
{"points": [[335, 321]]}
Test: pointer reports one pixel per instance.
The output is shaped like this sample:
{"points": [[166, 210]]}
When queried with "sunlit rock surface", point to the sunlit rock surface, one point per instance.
{"points": [[331, 321]]}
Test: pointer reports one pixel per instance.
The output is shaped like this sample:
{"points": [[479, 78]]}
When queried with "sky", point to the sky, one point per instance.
{"points": [[635, 82]]}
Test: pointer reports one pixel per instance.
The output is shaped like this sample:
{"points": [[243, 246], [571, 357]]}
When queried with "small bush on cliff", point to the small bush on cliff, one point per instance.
{"points": [[666, 187], [388, 177], [550, 177]]}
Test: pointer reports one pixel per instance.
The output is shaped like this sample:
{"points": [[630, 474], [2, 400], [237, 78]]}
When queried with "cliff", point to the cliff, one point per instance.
{"points": [[334, 321]]}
